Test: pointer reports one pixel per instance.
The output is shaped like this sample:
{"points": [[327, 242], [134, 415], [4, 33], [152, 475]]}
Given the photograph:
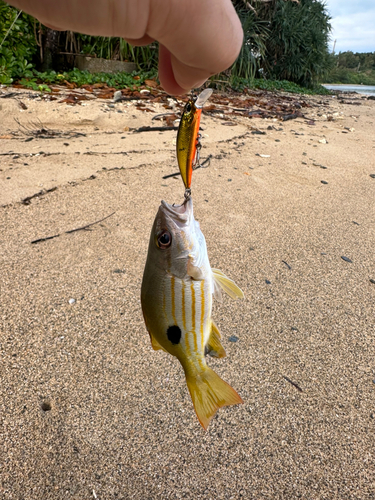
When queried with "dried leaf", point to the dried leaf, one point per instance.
{"points": [[151, 83], [170, 119], [70, 85]]}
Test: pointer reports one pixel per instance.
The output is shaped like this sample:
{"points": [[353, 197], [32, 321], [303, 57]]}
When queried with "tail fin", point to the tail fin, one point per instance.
{"points": [[209, 393]]}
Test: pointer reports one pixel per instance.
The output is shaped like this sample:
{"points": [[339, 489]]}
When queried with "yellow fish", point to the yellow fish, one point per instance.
{"points": [[177, 289]]}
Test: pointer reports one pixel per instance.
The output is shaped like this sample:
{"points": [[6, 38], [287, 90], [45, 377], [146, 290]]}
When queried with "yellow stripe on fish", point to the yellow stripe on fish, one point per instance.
{"points": [[177, 288]]}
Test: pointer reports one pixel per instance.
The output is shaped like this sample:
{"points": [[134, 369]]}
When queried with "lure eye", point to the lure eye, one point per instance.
{"points": [[188, 107], [164, 240]]}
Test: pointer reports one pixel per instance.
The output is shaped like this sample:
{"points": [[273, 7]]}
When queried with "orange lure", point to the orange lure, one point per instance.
{"points": [[188, 143]]}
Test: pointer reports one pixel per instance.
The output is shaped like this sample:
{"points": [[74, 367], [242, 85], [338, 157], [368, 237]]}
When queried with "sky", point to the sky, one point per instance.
{"points": [[353, 25]]}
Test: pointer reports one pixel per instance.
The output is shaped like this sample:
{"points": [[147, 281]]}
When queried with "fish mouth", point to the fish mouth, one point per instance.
{"points": [[179, 213]]}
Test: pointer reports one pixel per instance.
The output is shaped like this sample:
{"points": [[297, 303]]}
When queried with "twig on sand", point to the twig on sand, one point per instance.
{"points": [[153, 129], [287, 265], [162, 115], [293, 383], [27, 200], [72, 230], [89, 225]]}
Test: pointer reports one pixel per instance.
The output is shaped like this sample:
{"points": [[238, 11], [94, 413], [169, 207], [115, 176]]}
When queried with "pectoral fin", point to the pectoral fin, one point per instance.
{"points": [[225, 283], [214, 347]]}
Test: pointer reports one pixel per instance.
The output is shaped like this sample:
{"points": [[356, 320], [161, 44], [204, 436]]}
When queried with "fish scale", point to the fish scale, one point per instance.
{"points": [[188, 305]]}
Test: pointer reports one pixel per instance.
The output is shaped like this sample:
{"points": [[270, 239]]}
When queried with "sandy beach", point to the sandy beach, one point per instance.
{"points": [[87, 409]]}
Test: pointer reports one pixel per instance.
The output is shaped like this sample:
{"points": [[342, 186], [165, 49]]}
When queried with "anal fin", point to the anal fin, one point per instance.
{"points": [[213, 346]]}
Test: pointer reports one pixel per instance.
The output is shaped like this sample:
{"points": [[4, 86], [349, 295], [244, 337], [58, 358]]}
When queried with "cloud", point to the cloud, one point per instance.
{"points": [[353, 25]]}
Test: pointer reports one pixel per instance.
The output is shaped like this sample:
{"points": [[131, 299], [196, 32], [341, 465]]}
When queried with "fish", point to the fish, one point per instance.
{"points": [[177, 292], [187, 144]]}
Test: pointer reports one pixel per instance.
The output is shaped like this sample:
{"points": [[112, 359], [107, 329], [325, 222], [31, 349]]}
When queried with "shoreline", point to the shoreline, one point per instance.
{"points": [[354, 88]]}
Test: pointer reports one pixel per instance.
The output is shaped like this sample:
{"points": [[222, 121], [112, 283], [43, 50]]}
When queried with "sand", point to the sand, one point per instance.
{"points": [[87, 409]]}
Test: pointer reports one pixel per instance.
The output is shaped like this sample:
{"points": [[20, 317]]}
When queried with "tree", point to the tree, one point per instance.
{"points": [[254, 44], [296, 46], [50, 50]]}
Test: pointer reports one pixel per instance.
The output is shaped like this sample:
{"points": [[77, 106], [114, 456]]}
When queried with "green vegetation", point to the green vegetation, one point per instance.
{"points": [[42, 81], [115, 48], [279, 85], [254, 47], [17, 44], [357, 69], [284, 40]]}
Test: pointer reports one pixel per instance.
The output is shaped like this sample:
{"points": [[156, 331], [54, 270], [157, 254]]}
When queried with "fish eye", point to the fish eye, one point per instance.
{"points": [[164, 239]]}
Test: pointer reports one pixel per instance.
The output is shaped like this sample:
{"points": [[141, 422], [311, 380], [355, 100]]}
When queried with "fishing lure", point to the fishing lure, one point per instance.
{"points": [[188, 138]]}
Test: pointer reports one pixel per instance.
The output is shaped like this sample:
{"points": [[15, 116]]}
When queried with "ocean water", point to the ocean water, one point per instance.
{"points": [[361, 89]]}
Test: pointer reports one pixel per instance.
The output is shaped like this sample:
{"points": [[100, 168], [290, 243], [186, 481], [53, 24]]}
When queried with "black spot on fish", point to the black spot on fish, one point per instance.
{"points": [[174, 334]]}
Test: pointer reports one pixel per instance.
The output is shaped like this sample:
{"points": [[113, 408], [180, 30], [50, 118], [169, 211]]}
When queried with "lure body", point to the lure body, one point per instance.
{"points": [[188, 136]]}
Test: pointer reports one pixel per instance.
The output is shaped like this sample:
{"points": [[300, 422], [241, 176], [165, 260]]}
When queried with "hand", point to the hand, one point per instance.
{"points": [[198, 38]]}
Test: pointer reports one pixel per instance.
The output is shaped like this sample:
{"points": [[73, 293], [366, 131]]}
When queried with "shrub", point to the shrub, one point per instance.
{"points": [[17, 43]]}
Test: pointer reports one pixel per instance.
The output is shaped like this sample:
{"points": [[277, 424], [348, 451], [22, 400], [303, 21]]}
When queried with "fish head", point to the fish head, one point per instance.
{"points": [[177, 245]]}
